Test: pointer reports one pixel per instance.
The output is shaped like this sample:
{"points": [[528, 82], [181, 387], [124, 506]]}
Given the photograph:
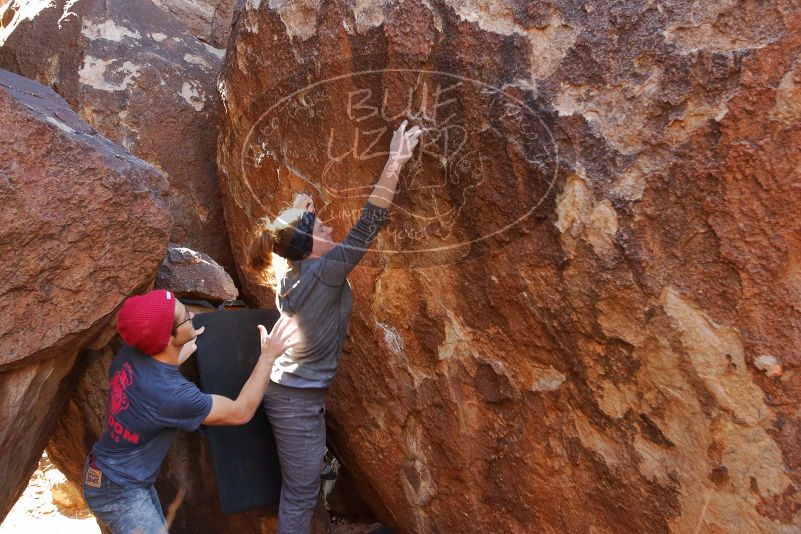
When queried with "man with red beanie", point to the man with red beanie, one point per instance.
{"points": [[150, 400]]}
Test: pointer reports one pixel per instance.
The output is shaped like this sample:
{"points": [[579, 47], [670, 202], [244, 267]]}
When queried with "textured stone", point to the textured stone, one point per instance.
{"points": [[67, 496], [769, 364], [597, 238], [137, 75], [32, 394], [209, 21], [358, 528], [194, 275], [83, 224]]}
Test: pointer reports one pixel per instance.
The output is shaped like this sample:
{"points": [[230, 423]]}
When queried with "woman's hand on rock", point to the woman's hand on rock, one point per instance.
{"points": [[403, 143], [303, 201]]}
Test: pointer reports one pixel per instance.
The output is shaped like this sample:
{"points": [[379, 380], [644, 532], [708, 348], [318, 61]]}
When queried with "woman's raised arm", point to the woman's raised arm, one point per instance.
{"points": [[339, 261], [400, 151]]}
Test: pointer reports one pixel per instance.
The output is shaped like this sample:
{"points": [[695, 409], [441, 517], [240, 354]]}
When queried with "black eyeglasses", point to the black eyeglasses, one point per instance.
{"points": [[176, 327]]}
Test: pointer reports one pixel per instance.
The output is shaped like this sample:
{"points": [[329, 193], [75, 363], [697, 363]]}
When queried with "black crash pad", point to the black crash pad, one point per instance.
{"points": [[244, 457]]}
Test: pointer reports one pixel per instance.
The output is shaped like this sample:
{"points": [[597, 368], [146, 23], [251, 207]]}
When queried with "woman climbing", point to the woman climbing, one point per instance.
{"points": [[315, 290]]}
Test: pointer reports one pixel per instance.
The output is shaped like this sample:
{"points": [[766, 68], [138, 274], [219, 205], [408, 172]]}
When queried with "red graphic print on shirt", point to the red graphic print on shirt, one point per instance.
{"points": [[119, 382], [118, 402]]}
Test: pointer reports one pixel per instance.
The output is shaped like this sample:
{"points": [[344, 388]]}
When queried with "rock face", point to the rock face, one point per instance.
{"points": [[83, 224], [194, 275], [597, 240], [209, 21], [137, 75]]}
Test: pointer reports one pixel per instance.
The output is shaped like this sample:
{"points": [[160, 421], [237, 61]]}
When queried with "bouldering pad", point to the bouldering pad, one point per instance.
{"points": [[244, 457]]}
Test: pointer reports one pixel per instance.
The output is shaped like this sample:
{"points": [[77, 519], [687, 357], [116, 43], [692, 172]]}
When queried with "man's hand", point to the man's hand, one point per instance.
{"points": [[403, 142], [284, 335], [189, 347], [303, 201], [225, 411]]}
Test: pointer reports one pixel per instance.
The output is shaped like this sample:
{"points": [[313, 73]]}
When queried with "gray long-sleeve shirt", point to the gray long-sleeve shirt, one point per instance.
{"points": [[317, 292]]}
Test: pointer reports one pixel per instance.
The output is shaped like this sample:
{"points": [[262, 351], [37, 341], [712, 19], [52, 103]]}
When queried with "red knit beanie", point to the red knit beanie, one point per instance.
{"points": [[145, 321]]}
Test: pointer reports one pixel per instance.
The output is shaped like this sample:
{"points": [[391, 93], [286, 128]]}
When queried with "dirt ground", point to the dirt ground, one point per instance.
{"points": [[49, 504]]}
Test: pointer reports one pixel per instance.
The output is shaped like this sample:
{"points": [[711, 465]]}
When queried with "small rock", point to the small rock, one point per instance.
{"points": [[771, 366], [66, 496], [193, 274]]}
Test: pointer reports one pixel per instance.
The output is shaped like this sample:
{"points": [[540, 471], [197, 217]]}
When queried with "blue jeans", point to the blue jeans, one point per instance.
{"points": [[298, 420], [124, 510]]}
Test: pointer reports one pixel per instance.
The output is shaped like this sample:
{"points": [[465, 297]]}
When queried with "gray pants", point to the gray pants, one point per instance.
{"points": [[297, 416]]}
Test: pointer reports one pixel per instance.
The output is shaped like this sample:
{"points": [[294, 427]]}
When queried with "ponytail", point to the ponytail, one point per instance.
{"points": [[260, 254], [272, 246]]}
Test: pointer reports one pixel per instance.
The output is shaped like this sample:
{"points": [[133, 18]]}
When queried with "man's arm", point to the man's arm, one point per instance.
{"points": [[225, 411]]}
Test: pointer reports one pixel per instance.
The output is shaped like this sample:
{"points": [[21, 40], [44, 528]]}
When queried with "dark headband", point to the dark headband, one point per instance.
{"points": [[300, 246]]}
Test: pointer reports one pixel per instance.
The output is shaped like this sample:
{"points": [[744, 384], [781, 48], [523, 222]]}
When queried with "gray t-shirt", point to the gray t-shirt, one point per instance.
{"points": [[318, 293]]}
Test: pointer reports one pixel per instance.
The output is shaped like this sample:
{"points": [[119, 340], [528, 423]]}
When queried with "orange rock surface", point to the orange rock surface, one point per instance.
{"points": [[599, 237]]}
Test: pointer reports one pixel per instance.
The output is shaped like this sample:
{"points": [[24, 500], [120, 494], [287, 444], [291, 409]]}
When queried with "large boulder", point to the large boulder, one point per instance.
{"points": [[83, 224], [597, 240], [136, 74], [208, 20]]}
